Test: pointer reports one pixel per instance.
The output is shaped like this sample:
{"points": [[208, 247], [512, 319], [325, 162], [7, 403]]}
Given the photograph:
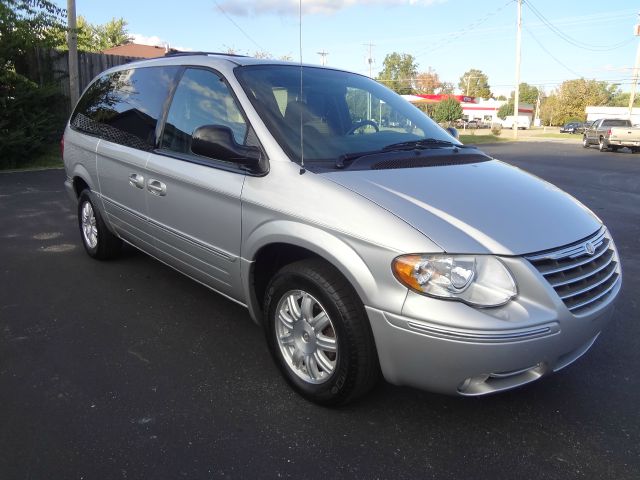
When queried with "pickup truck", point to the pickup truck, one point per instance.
{"points": [[612, 134]]}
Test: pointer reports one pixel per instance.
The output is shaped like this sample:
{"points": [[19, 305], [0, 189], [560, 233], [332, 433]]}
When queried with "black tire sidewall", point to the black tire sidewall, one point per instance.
{"points": [[108, 245], [332, 391], [601, 146]]}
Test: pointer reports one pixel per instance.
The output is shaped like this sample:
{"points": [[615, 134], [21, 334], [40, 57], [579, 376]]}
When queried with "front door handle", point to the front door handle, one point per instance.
{"points": [[156, 187], [136, 180]]}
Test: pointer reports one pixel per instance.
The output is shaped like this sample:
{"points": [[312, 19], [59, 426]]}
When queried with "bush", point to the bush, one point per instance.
{"points": [[447, 110], [31, 118], [496, 129]]}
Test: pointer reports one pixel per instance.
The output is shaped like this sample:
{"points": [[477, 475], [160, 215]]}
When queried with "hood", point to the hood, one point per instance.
{"points": [[487, 207]]}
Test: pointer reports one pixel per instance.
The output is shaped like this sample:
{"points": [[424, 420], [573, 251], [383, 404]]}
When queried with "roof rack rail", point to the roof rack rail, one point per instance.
{"points": [[179, 53]]}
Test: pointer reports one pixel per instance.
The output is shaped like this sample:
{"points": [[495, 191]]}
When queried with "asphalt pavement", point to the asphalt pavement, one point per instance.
{"points": [[126, 369]]}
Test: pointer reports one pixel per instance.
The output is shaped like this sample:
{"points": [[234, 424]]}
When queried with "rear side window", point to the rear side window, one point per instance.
{"points": [[201, 98], [124, 107], [616, 123]]}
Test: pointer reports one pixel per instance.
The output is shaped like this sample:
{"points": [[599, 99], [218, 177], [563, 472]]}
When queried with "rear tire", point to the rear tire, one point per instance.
{"points": [[98, 241], [318, 333], [601, 145]]}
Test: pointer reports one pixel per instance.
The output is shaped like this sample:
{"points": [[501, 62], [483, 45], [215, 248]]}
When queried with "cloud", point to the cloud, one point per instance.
{"points": [[144, 40], [156, 42], [290, 7]]}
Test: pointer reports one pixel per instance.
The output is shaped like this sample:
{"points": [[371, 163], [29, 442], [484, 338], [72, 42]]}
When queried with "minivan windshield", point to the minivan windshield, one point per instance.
{"points": [[341, 115]]}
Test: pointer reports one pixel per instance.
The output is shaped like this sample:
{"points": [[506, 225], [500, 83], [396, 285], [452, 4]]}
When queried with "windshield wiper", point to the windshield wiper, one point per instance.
{"points": [[348, 157], [418, 144], [425, 143]]}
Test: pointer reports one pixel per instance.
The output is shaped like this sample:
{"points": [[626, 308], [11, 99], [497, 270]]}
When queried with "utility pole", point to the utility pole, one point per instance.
{"points": [[72, 43], [634, 83], [370, 62], [370, 58], [323, 57], [537, 116], [466, 92], [516, 100]]}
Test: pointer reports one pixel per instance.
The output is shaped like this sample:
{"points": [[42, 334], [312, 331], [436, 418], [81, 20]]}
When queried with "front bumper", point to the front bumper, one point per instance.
{"points": [[448, 347]]}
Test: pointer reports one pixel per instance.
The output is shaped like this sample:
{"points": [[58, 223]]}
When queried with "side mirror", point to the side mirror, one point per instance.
{"points": [[216, 141], [453, 132]]}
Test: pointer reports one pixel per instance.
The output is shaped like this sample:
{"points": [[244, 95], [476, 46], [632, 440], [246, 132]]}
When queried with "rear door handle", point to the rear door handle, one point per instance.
{"points": [[156, 187], [136, 180]]}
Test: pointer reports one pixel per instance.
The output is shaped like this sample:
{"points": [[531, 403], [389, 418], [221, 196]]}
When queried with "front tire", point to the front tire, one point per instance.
{"points": [[585, 142], [98, 241], [318, 333]]}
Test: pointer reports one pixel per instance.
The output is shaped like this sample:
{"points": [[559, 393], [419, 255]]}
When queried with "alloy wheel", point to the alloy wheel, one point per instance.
{"points": [[306, 337], [89, 227]]}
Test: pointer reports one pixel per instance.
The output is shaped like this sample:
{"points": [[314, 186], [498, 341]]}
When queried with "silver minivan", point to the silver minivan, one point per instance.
{"points": [[363, 237]]}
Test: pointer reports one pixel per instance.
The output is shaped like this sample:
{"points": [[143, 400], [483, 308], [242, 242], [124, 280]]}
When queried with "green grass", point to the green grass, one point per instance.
{"points": [[476, 139], [566, 136], [49, 158]]}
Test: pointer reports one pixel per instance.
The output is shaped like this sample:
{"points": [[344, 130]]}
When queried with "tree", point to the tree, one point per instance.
{"points": [[399, 71], [95, 38], [573, 96], [448, 110], [85, 35], [30, 113], [25, 25], [446, 88], [501, 97], [549, 112], [475, 83], [621, 99], [112, 34], [505, 110], [527, 93], [427, 82]]}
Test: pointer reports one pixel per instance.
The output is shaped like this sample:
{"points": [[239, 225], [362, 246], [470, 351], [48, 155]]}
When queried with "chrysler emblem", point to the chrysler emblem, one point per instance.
{"points": [[589, 248]]}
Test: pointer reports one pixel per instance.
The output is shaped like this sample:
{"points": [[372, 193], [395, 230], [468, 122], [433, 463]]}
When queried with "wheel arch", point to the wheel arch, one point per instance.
{"points": [[278, 243], [81, 179]]}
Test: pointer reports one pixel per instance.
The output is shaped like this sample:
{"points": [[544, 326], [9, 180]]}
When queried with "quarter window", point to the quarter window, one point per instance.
{"points": [[124, 106], [201, 98]]}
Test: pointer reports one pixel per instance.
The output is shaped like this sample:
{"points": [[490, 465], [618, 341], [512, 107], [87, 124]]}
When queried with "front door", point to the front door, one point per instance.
{"points": [[193, 202]]}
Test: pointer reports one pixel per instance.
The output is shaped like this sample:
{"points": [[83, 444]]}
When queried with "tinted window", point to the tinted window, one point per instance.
{"points": [[124, 107], [616, 123], [201, 98]]}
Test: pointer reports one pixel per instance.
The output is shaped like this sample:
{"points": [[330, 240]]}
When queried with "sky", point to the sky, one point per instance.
{"points": [[590, 39]]}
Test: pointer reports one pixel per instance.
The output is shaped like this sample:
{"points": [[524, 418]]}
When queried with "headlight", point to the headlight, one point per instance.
{"points": [[482, 281]]}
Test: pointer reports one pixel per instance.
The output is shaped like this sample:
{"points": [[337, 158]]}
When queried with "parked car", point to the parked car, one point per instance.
{"points": [[400, 252], [571, 127], [523, 122], [612, 134], [582, 127]]}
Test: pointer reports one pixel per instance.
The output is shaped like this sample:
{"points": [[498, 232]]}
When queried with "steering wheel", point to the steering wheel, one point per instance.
{"points": [[361, 124]]}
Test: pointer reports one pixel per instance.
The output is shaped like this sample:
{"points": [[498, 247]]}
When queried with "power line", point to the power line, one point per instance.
{"points": [[571, 40], [465, 30], [238, 26], [551, 54]]}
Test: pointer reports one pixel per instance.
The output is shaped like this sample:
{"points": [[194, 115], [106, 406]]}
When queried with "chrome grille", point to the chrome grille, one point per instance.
{"points": [[583, 274]]}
